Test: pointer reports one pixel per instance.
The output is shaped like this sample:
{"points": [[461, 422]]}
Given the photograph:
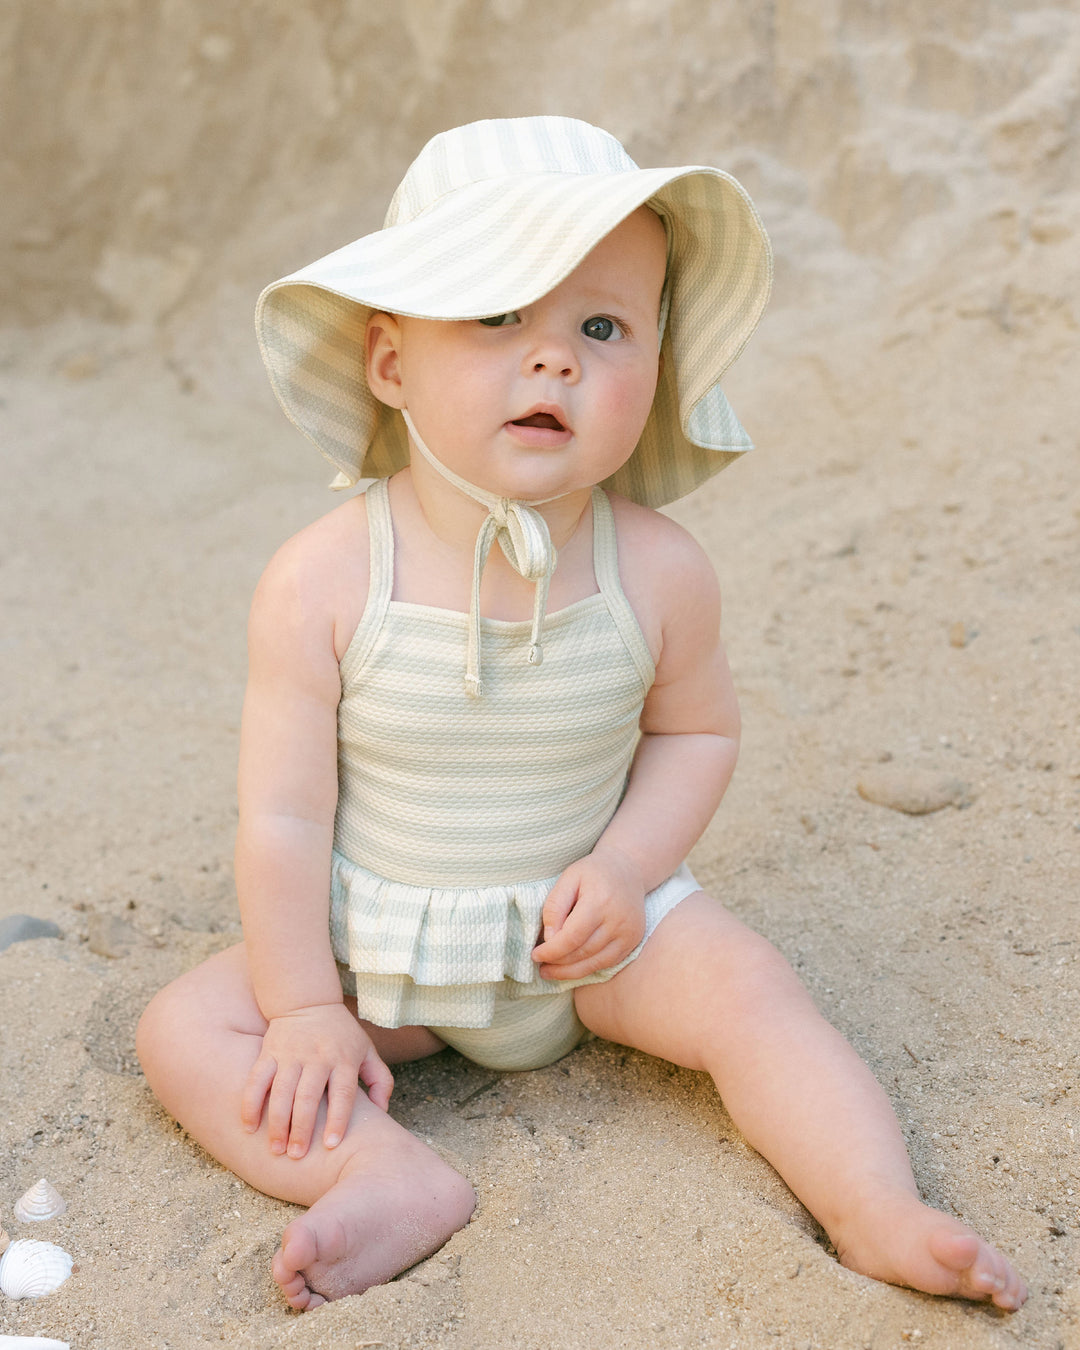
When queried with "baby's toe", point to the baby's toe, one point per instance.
{"points": [[299, 1247], [297, 1250], [1014, 1293], [981, 1271], [296, 1292], [960, 1253]]}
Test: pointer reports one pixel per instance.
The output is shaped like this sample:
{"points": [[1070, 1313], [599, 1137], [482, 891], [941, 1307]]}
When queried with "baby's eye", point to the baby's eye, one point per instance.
{"points": [[603, 330], [502, 320]]}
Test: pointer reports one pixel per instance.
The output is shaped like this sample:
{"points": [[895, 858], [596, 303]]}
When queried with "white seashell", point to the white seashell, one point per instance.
{"points": [[31, 1343], [41, 1201], [30, 1269]]}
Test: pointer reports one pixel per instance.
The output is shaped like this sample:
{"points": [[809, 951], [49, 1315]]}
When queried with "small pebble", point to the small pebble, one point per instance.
{"points": [[959, 635], [216, 47], [82, 367], [24, 927], [916, 792], [109, 936]]}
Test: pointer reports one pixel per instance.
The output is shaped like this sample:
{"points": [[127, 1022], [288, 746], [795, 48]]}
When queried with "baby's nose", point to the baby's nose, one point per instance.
{"points": [[554, 357]]}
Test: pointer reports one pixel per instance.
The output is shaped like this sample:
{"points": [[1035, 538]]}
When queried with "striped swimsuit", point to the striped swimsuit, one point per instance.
{"points": [[456, 815]]}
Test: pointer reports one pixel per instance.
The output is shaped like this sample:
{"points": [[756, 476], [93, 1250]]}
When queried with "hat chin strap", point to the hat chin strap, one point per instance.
{"points": [[523, 536]]}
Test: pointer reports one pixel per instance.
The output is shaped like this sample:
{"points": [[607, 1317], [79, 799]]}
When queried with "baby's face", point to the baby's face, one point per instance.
{"points": [[550, 398]]}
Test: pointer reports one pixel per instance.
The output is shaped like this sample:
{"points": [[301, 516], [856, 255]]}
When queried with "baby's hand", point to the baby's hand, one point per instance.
{"points": [[594, 916], [306, 1053]]}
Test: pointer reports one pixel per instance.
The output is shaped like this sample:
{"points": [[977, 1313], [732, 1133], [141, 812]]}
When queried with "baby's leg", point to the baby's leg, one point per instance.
{"points": [[707, 993], [380, 1201]]}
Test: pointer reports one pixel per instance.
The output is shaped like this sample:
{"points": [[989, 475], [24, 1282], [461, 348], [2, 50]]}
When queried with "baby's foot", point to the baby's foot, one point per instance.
{"points": [[368, 1228], [902, 1241]]}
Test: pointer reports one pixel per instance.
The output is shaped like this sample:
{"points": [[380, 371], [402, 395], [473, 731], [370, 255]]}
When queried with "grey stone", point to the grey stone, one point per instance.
{"points": [[24, 927]]}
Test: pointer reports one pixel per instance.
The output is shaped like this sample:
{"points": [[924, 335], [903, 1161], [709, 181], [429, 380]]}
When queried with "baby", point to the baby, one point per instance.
{"points": [[469, 777]]}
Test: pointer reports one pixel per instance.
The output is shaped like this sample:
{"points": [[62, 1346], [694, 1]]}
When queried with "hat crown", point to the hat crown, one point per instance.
{"points": [[503, 148], [489, 218]]}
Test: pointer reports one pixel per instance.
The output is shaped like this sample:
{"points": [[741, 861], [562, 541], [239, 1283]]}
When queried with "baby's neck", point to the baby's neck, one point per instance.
{"points": [[455, 519], [435, 539]]}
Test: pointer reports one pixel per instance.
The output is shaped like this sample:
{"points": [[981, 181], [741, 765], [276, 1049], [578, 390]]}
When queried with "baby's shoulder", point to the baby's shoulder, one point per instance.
{"points": [[657, 550], [318, 578], [666, 574]]}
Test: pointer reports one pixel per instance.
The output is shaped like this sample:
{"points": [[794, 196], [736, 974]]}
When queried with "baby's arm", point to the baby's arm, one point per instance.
{"points": [[594, 915], [287, 796]]}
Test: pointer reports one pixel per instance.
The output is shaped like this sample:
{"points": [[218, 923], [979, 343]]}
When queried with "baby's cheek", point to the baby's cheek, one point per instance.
{"points": [[627, 409]]}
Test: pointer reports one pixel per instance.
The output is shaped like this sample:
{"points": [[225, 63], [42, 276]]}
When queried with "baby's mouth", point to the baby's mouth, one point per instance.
{"points": [[547, 420]]}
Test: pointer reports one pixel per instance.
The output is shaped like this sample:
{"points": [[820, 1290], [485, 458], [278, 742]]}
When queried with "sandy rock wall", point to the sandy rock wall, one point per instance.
{"points": [[899, 561], [166, 153]]}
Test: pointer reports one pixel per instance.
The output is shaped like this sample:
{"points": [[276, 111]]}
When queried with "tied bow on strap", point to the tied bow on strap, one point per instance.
{"points": [[523, 536]]}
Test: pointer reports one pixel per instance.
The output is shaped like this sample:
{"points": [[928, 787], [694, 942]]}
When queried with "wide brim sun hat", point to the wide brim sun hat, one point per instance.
{"points": [[490, 217]]}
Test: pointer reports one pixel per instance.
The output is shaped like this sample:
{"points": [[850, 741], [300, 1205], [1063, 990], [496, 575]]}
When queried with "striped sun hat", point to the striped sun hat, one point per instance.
{"points": [[489, 218]]}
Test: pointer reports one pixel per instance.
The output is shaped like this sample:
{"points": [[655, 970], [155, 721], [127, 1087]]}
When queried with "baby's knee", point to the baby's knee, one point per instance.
{"points": [[148, 1033], [157, 1031]]}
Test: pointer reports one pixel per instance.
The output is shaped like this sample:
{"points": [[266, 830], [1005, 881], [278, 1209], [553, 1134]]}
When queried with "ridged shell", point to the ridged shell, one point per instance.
{"points": [[30, 1269], [41, 1201], [31, 1343]]}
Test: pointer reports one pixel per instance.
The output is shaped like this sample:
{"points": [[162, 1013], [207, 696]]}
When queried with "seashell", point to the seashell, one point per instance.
{"points": [[31, 1343], [41, 1201], [30, 1269]]}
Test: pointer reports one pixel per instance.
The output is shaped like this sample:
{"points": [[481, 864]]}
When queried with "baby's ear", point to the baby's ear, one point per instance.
{"points": [[382, 349]]}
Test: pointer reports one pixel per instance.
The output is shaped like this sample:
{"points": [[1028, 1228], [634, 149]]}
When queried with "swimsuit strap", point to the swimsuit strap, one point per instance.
{"points": [[523, 536], [606, 566], [381, 578]]}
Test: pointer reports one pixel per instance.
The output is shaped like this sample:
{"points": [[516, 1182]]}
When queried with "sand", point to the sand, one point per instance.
{"points": [[899, 559]]}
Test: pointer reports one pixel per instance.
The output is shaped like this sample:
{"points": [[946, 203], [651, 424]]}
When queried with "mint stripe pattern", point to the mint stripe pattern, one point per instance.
{"points": [[525, 1033], [456, 815]]}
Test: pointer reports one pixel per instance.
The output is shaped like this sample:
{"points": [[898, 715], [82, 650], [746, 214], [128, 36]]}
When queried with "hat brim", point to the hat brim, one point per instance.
{"points": [[499, 245]]}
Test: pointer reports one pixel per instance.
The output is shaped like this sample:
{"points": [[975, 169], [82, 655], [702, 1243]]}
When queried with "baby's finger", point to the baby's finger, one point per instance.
{"points": [[340, 1095], [378, 1080], [577, 929], [610, 955], [559, 903], [279, 1107], [254, 1094], [595, 941], [305, 1107]]}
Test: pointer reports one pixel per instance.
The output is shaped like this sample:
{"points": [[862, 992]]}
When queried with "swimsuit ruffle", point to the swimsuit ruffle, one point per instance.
{"points": [[437, 956]]}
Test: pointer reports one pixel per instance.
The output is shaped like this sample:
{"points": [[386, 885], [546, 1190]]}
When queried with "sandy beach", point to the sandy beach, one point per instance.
{"points": [[900, 558]]}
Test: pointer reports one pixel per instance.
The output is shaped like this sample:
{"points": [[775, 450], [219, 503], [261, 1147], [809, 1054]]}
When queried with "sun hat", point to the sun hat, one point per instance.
{"points": [[490, 217]]}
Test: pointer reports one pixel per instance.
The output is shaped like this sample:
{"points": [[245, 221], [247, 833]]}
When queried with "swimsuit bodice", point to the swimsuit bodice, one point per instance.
{"points": [[437, 788], [456, 814]]}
